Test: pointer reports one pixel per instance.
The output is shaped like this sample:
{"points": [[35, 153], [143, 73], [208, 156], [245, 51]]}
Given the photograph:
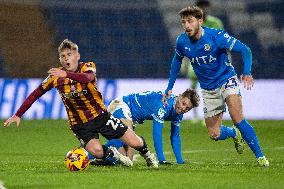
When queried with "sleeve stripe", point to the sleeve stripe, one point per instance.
{"points": [[233, 43], [178, 53], [157, 119]]}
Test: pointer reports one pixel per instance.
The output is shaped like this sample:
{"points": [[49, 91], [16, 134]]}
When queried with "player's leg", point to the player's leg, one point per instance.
{"points": [[139, 144], [98, 150], [216, 130], [120, 145], [128, 150], [214, 106], [234, 103], [114, 128], [87, 133], [119, 109]]}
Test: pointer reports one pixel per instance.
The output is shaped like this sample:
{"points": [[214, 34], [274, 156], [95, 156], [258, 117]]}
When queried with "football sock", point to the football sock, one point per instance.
{"points": [[108, 155], [226, 132], [143, 149], [107, 152], [90, 156], [250, 137], [115, 143]]}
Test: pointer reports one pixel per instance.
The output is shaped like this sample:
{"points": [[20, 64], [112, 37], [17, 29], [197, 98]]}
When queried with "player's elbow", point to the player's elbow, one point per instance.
{"points": [[247, 50]]}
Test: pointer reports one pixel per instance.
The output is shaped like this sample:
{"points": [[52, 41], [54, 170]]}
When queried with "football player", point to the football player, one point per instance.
{"points": [[207, 49], [136, 108]]}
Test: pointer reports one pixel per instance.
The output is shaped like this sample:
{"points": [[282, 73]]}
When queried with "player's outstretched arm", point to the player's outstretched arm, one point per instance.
{"points": [[245, 51], [158, 140], [175, 68], [176, 142], [166, 96], [12, 119], [248, 81]]}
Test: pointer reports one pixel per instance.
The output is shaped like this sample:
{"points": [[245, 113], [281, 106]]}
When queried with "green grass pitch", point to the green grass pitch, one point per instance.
{"points": [[32, 155]]}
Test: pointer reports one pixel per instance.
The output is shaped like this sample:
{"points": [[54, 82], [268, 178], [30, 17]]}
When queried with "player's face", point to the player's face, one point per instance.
{"points": [[192, 26], [69, 59], [183, 105]]}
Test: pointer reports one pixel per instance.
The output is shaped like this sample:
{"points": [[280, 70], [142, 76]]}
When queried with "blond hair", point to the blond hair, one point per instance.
{"points": [[67, 44]]}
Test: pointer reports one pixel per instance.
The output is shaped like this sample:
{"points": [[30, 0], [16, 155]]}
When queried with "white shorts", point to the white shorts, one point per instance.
{"points": [[119, 109], [214, 100]]}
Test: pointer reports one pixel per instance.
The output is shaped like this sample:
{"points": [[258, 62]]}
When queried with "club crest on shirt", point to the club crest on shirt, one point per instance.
{"points": [[72, 88], [161, 113], [207, 47], [187, 48]]}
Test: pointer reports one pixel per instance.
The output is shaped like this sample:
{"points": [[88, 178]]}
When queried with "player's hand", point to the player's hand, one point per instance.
{"points": [[166, 97], [248, 81], [12, 119], [164, 163], [57, 72]]}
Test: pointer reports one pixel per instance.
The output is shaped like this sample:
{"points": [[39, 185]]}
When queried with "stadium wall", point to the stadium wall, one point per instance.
{"points": [[265, 101]]}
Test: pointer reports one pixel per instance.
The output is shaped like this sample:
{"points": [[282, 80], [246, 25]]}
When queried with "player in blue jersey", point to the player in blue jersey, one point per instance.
{"points": [[138, 107], [208, 51]]}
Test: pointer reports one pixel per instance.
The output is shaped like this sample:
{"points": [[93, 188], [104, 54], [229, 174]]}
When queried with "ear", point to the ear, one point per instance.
{"points": [[200, 21], [78, 56]]}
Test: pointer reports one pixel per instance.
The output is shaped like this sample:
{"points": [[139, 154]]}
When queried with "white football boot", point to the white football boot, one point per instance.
{"points": [[121, 158], [150, 159]]}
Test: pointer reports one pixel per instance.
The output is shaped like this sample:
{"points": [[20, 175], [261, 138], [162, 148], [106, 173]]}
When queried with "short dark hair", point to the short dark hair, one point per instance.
{"points": [[191, 11], [193, 96], [67, 44]]}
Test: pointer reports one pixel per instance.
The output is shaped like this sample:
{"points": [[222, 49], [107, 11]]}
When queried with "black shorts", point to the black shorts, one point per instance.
{"points": [[105, 124]]}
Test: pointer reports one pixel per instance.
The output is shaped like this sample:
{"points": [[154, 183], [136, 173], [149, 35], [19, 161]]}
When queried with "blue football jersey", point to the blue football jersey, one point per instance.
{"points": [[149, 106], [209, 56]]}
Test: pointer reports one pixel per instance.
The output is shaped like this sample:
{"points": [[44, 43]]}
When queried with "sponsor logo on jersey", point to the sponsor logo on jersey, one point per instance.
{"points": [[203, 59]]}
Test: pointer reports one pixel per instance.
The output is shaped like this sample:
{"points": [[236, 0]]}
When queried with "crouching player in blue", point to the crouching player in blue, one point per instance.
{"points": [[138, 107], [208, 49]]}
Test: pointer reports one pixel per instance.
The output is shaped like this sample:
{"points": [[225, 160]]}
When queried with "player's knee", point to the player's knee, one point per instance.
{"points": [[137, 142], [96, 150]]}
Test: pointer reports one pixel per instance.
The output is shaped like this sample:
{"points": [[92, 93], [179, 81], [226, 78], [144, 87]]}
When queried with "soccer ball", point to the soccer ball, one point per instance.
{"points": [[77, 160]]}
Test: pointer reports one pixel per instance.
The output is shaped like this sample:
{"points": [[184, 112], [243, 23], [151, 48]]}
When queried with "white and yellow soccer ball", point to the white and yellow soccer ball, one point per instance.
{"points": [[77, 160]]}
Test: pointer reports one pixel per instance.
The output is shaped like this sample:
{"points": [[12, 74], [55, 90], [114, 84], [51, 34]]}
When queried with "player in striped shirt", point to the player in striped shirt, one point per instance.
{"points": [[207, 49], [87, 114]]}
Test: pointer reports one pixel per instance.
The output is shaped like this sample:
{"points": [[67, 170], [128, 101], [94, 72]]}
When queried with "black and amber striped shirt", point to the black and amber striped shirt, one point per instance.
{"points": [[83, 101]]}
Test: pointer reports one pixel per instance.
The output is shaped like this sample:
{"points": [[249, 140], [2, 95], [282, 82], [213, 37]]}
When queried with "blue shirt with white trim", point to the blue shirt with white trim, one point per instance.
{"points": [[209, 57], [149, 106]]}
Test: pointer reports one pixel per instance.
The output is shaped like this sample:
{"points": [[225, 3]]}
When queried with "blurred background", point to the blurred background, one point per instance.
{"points": [[128, 39]]}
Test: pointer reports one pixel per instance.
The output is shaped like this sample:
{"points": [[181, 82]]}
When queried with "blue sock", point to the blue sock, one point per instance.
{"points": [[90, 156], [250, 137], [115, 143], [226, 132]]}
